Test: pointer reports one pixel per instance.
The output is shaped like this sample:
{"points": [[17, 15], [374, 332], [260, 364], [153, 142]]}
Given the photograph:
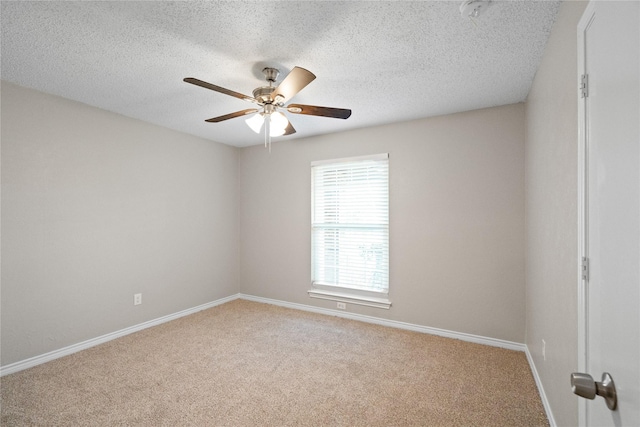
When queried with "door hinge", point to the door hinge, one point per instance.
{"points": [[585, 268], [584, 85]]}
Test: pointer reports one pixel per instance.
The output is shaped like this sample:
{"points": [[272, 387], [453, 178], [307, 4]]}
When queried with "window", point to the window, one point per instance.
{"points": [[350, 230]]}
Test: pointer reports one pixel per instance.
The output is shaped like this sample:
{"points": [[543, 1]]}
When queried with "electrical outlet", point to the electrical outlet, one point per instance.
{"points": [[342, 306], [544, 350], [137, 299]]}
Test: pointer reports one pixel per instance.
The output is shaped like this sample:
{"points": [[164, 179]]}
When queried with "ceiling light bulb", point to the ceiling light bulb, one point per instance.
{"points": [[279, 124], [255, 122]]}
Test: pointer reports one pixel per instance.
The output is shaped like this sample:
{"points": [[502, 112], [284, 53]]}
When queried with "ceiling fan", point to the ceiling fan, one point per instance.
{"points": [[271, 100]]}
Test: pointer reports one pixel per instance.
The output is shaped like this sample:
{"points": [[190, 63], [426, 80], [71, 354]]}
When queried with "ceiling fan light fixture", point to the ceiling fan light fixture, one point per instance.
{"points": [[255, 122], [278, 123]]}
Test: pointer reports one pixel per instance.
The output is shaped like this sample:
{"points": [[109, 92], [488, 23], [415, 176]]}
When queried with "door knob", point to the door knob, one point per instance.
{"points": [[583, 385]]}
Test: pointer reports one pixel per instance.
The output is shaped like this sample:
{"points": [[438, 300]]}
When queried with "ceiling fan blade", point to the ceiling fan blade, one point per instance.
{"points": [[295, 81], [231, 115], [289, 130], [206, 85], [313, 110]]}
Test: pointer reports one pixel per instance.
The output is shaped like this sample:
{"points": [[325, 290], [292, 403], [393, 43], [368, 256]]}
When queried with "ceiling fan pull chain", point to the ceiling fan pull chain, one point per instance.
{"points": [[267, 131]]}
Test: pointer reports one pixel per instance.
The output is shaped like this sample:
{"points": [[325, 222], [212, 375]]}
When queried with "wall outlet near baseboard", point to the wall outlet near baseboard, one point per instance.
{"points": [[544, 350], [342, 305], [137, 299]]}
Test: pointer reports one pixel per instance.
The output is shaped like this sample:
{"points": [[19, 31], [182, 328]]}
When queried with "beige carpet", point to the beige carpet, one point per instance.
{"points": [[252, 364]]}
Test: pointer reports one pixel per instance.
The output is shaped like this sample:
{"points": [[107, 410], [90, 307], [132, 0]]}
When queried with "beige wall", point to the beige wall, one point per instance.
{"points": [[456, 219], [97, 207], [551, 190]]}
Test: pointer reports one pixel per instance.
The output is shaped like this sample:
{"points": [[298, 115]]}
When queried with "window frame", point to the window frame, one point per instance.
{"points": [[346, 293]]}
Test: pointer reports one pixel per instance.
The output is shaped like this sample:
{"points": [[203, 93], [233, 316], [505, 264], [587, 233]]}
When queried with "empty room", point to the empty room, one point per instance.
{"points": [[310, 213]]}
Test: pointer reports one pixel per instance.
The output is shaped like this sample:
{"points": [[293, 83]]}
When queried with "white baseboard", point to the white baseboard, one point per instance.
{"points": [[392, 323], [37, 360], [543, 395], [52, 355], [47, 357]]}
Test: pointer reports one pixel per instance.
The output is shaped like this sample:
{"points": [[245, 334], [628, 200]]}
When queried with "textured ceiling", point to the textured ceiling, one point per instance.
{"points": [[387, 61]]}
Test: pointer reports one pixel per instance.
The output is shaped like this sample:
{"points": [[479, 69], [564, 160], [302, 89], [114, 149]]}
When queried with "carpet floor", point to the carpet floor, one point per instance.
{"points": [[250, 364]]}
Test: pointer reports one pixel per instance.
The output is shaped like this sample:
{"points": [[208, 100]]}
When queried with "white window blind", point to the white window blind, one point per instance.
{"points": [[350, 223]]}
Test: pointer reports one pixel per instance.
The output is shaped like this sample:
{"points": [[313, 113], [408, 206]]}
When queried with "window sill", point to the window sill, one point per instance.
{"points": [[350, 298]]}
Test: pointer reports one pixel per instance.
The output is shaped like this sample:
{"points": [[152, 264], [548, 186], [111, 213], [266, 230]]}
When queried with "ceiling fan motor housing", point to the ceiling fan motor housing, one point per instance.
{"points": [[263, 94]]}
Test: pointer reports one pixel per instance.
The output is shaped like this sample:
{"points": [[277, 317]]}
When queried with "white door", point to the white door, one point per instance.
{"points": [[609, 55]]}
